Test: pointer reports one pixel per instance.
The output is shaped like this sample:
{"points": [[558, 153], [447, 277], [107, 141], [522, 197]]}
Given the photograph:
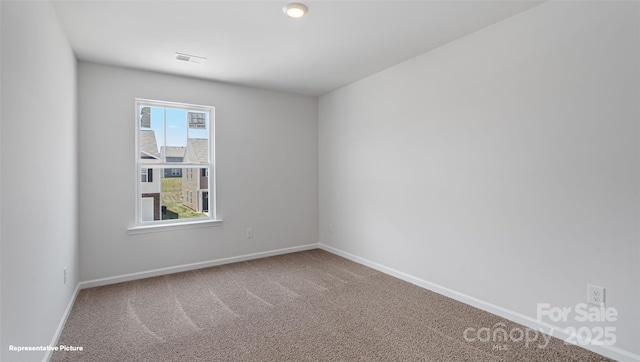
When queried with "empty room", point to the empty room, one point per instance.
{"points": [[319, 180]]}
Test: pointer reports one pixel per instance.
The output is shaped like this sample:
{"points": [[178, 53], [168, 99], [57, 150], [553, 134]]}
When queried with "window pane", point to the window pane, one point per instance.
{"points": [[151, 134], [176, 127], [198, 137], [174, 193]]}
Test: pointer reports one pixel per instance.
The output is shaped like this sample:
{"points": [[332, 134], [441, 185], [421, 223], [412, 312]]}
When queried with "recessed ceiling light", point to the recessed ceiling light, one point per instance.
{"points": [[190, 58], [295, 10]]}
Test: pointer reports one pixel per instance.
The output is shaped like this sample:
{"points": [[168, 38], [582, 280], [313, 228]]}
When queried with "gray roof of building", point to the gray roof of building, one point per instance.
{"points": [[172, 151], [197, 150], [148, 145]]}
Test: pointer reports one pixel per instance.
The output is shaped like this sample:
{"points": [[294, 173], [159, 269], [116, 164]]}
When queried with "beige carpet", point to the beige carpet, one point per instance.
{"points": [[306, 306]]}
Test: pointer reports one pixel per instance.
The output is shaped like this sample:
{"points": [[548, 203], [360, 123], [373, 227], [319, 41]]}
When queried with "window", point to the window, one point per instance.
{"points": [[146, 175], [174, 140]]}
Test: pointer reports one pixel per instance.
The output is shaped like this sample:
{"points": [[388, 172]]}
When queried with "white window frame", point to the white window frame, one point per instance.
{"points": [[162, 225]]}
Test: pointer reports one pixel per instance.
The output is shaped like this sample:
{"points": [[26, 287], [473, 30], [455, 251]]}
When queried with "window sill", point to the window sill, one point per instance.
{"points": [[134, 230]]}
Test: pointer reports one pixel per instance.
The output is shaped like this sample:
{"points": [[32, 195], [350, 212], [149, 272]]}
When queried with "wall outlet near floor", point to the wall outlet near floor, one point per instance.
{"points": [[65, 275], [595, 295], [249, 233]]}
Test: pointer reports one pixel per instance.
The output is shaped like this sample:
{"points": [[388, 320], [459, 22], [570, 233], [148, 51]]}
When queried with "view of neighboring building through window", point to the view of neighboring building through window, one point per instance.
{"points": [[146, 175], [174, 158]]}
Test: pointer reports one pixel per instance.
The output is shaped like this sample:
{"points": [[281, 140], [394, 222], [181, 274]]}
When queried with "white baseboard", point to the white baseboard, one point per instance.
{"points": [[193, 266], [63, 321], [607, 351]]}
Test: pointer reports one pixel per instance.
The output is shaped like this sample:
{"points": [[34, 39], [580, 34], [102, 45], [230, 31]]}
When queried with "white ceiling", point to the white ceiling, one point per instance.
{"points": [[253, 43]]}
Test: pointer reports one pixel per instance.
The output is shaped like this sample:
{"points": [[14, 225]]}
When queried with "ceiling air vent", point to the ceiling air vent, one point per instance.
{"points": [[190, 58]]}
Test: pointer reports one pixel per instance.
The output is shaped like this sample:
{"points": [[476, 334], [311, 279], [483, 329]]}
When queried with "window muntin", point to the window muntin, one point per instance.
{"points": [[174, 158]]}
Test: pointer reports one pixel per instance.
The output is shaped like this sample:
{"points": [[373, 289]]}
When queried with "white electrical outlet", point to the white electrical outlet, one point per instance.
{"points": [[65, 275], [595, 295], [249, 232]]}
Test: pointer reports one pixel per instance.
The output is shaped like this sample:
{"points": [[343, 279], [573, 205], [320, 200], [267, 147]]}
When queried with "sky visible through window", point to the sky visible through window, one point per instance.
{"points": [[177, 128]]}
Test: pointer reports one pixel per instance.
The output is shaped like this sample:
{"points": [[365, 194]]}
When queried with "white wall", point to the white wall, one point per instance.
{"points": [[267, 175], [39, 176], [503, 166]]}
